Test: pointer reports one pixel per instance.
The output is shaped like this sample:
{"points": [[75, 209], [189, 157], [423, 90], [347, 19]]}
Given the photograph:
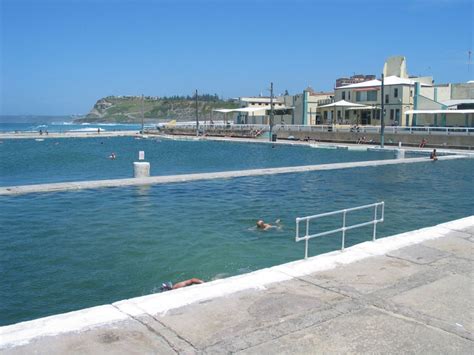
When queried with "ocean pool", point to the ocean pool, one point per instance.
{"points": [[26, 161], [65, 251]]}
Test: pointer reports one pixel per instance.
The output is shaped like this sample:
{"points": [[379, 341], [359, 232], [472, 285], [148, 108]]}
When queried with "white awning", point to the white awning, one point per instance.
{"points": [[344, 103], [254, 109], [223, 110], [432, 112], [365, 108]]}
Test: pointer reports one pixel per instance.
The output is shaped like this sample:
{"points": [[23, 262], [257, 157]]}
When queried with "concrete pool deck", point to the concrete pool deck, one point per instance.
{"points": [[410, 293], [165, 179], [68, 134]]}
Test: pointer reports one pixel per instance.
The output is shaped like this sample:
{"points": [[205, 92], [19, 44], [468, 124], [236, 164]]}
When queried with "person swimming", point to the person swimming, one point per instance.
{"points": [[265, 226], [262, 225], [112, 156], [167, 286]]}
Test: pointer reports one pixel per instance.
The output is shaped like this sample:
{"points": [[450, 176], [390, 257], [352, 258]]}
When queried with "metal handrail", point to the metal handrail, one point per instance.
{"points": [[343, 229], [333, 128]]}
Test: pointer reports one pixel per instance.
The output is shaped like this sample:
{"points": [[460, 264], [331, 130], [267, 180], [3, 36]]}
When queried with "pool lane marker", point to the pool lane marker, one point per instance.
{"points": [[158, 304], [166, 179]]}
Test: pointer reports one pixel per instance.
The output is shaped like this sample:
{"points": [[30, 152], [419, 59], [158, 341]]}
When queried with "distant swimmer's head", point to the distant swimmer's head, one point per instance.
{"points": [[260, 224], [166, 286]]}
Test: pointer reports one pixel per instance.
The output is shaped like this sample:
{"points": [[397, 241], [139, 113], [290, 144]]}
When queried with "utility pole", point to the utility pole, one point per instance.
{"points": [[197, 115], [382, 123], [271, 111], [143, 114]]}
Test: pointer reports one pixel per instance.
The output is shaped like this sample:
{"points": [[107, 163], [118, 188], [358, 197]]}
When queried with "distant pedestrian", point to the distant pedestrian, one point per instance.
{"points": [[98, 130], [433, 155], [423, 143]]}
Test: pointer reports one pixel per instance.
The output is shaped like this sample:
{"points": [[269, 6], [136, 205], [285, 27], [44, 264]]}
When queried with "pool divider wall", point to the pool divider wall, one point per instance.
{"points": [[165, 179], [77, 321]]}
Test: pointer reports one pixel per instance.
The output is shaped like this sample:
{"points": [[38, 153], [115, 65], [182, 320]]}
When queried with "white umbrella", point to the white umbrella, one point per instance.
{"points": [[342, 103]]}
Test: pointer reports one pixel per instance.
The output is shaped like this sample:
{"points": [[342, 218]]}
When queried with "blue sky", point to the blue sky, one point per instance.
{"points": [[59, 56]]}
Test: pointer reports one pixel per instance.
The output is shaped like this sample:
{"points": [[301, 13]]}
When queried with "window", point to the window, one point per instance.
{"points": [[361, 95], [349, 95], [372, 95], [397, 116], [392, 114], [325, 115], [395, 92], [343, 95], [338, 114], [386, 98]]}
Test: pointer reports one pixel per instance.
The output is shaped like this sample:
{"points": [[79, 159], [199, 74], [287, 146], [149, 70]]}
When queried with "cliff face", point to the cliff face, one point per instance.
{"points": [[129, 108]]}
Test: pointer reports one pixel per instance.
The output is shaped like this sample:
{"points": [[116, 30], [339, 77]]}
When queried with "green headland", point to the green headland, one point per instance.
{"points": [[128, 109]]}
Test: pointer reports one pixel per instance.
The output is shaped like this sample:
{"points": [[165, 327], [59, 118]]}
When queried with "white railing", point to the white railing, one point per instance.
{"points": [[458, 131], [344, 227]]}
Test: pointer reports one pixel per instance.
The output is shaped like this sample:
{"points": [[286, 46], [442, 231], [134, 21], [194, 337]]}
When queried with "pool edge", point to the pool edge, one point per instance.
{"points": [[81, 320]]}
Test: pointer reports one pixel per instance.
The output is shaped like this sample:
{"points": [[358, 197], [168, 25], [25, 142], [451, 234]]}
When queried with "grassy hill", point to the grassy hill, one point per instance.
{"points": [[127, 109]]}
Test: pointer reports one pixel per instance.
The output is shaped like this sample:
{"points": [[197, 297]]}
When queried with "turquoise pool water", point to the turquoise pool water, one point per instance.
{"points": [[26, 161], [65, 251]]}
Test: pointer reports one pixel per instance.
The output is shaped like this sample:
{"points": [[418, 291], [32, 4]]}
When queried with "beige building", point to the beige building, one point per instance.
{"points": [[403, 97], [399, 96]]}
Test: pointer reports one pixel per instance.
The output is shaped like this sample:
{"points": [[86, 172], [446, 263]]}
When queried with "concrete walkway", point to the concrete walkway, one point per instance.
{"points": [[410, 293], [154, 180], [68, 134]]}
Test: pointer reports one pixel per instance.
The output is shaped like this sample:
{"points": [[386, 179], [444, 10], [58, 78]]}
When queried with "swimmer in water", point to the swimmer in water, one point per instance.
{"points": [[167, 286], [112, 156], [266, 226], [262, 225]]}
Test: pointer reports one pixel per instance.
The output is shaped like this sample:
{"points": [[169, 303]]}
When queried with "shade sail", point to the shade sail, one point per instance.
{"points": [[253, 109], [344, 103], [223, 110]]}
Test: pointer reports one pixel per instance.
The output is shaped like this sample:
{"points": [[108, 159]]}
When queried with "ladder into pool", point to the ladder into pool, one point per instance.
{"points": [[307, 236]]}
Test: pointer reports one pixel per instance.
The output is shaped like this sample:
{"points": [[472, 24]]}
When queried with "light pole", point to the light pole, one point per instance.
{"points": [[382, 125], [197, 115], [271, 111], [143, 114]]}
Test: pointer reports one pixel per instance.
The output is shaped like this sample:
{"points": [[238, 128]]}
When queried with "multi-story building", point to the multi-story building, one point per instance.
{"points": [[404, 97], [398, 97], [300, 109]]}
